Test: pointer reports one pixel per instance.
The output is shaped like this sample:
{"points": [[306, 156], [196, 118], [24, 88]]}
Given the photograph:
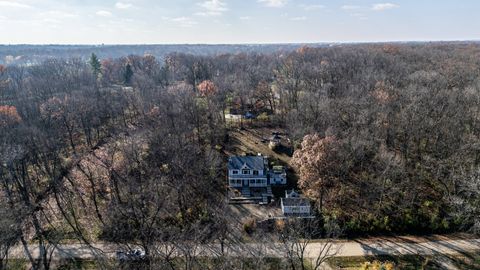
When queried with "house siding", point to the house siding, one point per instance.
{"points": [[295, 210], [295, 206]]}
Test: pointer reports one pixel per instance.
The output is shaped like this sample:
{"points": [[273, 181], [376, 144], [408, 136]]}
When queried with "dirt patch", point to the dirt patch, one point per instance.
{"points": [[252, 141], [248, 211]]}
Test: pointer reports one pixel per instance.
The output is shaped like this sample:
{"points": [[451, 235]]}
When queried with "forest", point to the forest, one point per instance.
{"points": [[128, 150], [32, 54]]}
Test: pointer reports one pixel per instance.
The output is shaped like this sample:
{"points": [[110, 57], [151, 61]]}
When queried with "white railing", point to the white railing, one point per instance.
{"points": [[248, 184], [258, 184], [234, 183]]}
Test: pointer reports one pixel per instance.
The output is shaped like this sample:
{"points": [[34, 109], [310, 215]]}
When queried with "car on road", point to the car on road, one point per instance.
{"points": [[130, 255]]}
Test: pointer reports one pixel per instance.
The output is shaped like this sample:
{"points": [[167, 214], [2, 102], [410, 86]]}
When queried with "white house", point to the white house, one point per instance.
{"points": [[233, 117], [294, 205], [247, 171]]}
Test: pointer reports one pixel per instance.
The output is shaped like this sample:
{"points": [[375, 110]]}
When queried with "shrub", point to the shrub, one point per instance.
{"points": [[249, 226], [377, 265], [263, 117], [279, 225]]}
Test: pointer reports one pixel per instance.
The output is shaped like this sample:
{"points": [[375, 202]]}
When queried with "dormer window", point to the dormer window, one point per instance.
{"points": [[255, 172], [234, 172], [245, 171]]}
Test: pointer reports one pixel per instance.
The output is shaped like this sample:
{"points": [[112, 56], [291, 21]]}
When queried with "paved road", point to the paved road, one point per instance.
{"points": [[356, 248], [338, 249]]}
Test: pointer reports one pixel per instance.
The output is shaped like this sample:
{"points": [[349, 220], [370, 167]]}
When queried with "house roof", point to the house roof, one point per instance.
{"points": [[291, 194], [295, 202], [275, 138], [278, 169], [251, 162]]}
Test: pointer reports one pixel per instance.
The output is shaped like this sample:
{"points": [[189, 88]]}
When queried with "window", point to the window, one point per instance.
{"points": [[252, 181], [245, 171], [239, 182], [232, 182], [234, 172], [255, 172], [259, 181]]}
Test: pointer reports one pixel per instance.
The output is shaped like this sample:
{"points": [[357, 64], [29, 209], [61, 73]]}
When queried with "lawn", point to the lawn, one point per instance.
{"points": [[412, 262]]}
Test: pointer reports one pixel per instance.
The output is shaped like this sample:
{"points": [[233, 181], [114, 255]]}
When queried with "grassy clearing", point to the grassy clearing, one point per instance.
{"points": [[402, 262], [234, 263], [411, 262], [66, 264], [77, 264], [17, 264], [469, 261]]}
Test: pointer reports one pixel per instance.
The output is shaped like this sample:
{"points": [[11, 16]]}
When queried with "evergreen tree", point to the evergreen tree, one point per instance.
{"points": [[128, 74], [95, 65]]}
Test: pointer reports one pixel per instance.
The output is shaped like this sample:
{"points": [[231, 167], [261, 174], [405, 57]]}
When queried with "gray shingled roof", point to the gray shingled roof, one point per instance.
{"points": [[252, 162]]}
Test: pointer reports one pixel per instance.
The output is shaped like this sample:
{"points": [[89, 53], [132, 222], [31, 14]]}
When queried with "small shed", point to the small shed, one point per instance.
{"points": [[295, 205]]}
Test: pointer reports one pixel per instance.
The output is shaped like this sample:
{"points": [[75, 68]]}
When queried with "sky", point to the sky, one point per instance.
{"points": [[235, 21]]}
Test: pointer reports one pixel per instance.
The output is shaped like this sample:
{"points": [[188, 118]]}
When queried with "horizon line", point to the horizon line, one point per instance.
{"points": [[242, 43]]}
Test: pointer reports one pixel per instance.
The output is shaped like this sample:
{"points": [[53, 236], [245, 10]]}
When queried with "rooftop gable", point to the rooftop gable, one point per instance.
{"points": [[250, 162], [291, 194]]}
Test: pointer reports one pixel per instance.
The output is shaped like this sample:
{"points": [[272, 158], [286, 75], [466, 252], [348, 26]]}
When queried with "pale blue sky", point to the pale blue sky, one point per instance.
{"points": [[235, 21]]}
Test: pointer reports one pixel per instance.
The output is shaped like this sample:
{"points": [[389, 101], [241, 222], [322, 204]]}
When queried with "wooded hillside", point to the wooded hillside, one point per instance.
{"points": [[130, 149]]}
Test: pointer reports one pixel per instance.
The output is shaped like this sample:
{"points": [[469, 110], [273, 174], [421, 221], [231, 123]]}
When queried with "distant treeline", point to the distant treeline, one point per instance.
{"points": [[28, 54]]}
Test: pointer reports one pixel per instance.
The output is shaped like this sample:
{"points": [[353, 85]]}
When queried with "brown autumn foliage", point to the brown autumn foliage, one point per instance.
{"points": [[9, 116], [303, 50], [316, 165], [207, 88], [53, 108], [381, 92], [391, 49]]}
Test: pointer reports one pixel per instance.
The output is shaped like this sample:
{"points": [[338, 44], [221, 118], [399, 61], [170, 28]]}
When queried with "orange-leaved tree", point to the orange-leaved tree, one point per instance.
{"points": [[207, 88], [9, 116], [317, 167]]}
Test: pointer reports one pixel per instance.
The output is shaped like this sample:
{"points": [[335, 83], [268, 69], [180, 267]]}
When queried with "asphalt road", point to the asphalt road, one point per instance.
{"points": [[337, 249]]}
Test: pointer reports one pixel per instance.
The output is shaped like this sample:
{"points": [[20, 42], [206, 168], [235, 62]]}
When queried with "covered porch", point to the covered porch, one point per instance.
{"points": [[239, 183]]}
